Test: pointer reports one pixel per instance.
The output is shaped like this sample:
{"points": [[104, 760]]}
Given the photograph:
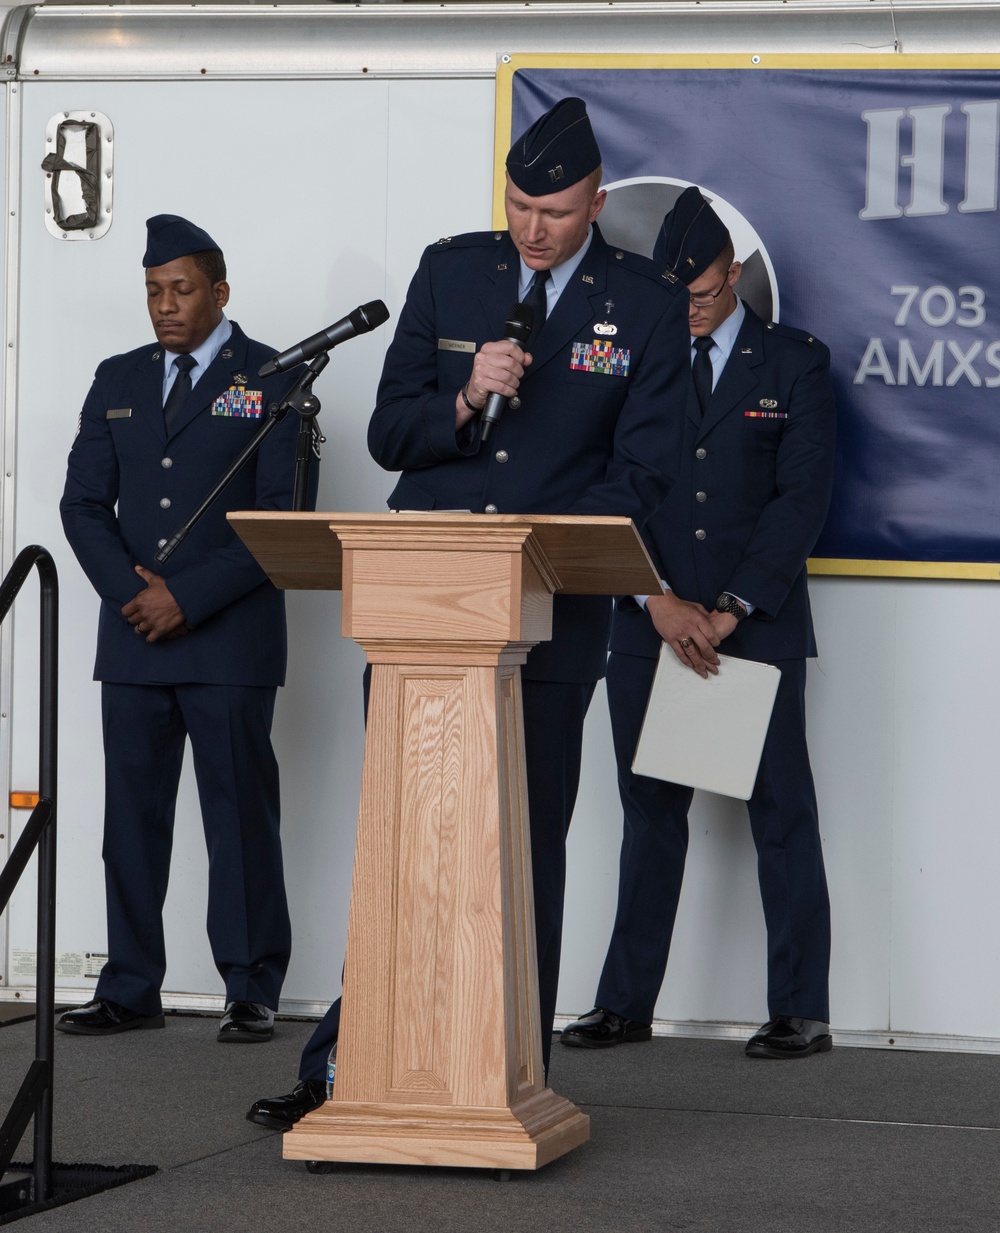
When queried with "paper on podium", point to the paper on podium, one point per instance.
{"points": [[707, 734]]}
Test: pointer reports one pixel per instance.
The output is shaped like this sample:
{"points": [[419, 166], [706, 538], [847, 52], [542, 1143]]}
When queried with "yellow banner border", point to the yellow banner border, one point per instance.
{"points": [[509, 65], [982, 571]]}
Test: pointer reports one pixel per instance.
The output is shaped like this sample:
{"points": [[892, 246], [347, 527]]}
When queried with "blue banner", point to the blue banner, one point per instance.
{"points": [[864, 205]]}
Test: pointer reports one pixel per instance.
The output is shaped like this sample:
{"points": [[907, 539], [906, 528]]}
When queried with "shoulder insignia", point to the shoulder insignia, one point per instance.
{"points": [[789, 331], [635, 263], [470, 239]]}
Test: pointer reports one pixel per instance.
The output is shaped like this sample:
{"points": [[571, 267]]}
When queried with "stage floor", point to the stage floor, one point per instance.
{"points": [[686, 1135]]}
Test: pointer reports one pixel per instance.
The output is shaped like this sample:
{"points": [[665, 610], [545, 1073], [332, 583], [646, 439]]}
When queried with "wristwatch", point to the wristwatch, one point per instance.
{"points": [[729, 603]]}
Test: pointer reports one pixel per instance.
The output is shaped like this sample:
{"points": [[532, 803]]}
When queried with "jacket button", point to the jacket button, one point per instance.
{"points": [[166, 463], [701, 496], [501, 455], [701, 453], [491, 509], [161, 543], [515, 403], [164, 502], [700, 534]]}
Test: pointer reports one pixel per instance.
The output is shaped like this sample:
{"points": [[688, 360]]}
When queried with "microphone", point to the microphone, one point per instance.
{"points": [[517, 329], [363, 319]]}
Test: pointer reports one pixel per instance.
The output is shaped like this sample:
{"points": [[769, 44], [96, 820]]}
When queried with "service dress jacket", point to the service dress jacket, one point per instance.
{"points": [[129, 487], [609, 369], [754, 477]]}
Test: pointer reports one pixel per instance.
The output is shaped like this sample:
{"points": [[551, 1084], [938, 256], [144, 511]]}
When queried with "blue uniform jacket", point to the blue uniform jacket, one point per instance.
{"points": [[590, 434], [128, 488], [752, 489]]}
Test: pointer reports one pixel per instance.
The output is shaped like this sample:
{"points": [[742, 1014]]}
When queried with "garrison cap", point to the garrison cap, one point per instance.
{"points": [[691, 237], [556, 152], [168, 236]]}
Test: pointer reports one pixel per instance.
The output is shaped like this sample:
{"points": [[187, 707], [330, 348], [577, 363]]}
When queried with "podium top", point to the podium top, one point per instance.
{"points": [[589, 555]]}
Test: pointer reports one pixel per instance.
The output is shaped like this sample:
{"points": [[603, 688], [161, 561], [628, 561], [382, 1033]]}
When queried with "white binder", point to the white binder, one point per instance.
{"points": [[707, 734]]}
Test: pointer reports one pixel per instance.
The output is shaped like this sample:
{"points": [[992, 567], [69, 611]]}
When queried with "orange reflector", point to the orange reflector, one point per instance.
{"points": [[23, 800]]}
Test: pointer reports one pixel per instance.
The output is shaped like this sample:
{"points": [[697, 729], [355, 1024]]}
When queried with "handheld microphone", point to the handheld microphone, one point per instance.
{"points": [[363, 319], [517, 329]]}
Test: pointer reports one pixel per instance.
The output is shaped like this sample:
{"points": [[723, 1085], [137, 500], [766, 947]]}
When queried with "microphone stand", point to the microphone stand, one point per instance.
{"points": [[300, 399]]}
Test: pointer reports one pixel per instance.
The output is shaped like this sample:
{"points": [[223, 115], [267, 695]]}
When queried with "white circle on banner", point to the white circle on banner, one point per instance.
{"points": [[634, 212]]}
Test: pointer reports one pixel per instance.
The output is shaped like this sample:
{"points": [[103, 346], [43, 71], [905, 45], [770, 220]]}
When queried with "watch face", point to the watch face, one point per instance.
{"points": [[729, 603]]}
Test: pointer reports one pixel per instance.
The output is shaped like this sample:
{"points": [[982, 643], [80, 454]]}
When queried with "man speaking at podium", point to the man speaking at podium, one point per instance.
{"points": [[585, 403], [195, 647]]}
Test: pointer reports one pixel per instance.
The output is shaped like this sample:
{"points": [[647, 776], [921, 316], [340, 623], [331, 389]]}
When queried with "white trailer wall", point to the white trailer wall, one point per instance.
{"points": [[324, 182]]}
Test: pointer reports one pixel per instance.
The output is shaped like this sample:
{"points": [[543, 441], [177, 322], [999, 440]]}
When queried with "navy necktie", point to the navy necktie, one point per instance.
{"points": [[701, 370], [537, 300], [178, 391]]}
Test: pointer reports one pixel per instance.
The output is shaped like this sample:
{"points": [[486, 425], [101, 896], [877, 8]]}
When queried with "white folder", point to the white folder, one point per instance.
{"points": [[707, 734]]}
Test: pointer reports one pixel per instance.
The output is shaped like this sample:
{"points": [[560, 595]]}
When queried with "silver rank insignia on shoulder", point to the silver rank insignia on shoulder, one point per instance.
{"points": [[445, 239], [768, 403], [227, 353], [155, 355], [588, 278], [605, 328], [240, 378]]}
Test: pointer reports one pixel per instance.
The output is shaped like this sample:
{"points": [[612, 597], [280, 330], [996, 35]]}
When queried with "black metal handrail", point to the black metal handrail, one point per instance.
{"points": [[35, 1095]]}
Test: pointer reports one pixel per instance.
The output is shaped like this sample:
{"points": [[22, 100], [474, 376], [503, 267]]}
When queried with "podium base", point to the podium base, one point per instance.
{"points": [[527, 1135]]}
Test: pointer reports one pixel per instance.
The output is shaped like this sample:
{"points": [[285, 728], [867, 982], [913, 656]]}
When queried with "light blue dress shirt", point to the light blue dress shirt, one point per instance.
{"points": [[203, 356], [559, 276]]}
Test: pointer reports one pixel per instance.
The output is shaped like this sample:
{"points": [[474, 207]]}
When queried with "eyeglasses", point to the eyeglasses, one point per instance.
{"points": [[706, 301]]}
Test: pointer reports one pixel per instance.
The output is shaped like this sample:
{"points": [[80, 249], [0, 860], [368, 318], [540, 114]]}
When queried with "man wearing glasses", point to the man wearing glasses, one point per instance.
{"points": [[731, 541]]}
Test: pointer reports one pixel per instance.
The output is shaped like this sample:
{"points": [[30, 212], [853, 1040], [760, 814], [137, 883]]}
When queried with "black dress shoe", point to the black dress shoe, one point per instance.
{"points": [[600, 1029], [246, 1023], [282, 1112], [788, 1036], [102, 1017]]}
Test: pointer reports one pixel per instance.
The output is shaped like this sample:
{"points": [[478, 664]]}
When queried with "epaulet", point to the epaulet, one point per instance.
{"points": [[789, 331], [469, 239], [638, 264], [149, 351]]}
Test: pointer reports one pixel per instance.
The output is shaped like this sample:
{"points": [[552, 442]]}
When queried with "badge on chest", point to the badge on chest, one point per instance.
{"points": [[239, 402], [600, 357]]}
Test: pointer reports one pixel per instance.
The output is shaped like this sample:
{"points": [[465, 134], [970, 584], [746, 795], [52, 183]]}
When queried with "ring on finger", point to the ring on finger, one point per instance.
{"points": [[685, 643]]}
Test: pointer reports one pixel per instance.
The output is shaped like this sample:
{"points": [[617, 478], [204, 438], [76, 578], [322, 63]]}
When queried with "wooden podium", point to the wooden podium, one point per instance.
{"points": [[439, 1054]]}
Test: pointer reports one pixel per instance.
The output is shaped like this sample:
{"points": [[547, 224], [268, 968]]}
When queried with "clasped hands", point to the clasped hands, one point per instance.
{"points": [[692, 631], [154, 611], [497, 369]]}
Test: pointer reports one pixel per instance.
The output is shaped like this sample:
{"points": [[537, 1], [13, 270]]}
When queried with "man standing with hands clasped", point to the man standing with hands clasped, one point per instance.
{"points": [[583, 433], [731, 541], [194, 648]]}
